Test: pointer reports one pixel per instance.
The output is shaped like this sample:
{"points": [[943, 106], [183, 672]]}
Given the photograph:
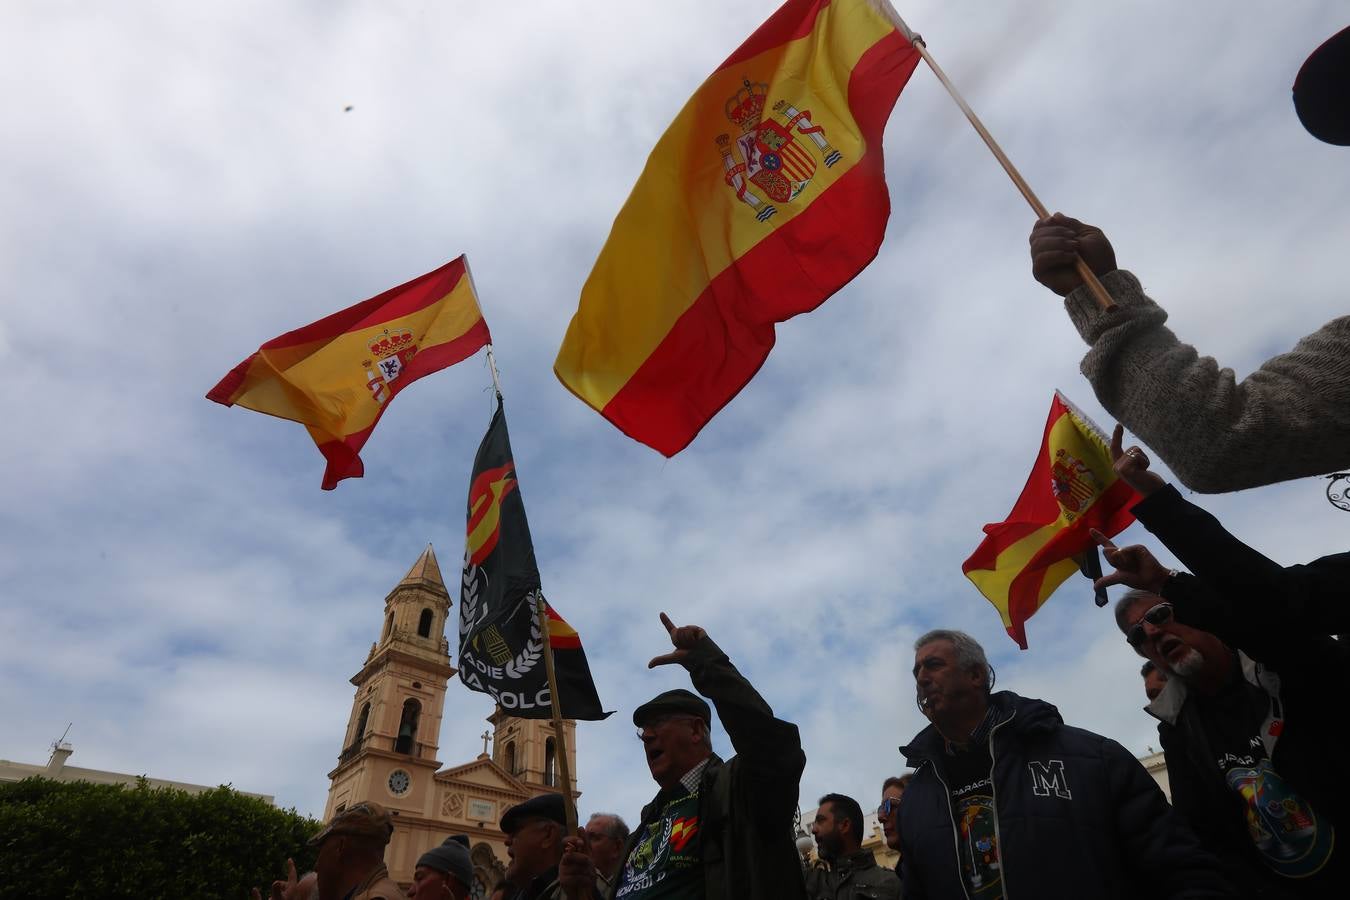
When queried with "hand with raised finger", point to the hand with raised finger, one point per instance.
{"points": [[1058, 242], [288, 889], [1132, 466], [684, 638], [1136, 567]]}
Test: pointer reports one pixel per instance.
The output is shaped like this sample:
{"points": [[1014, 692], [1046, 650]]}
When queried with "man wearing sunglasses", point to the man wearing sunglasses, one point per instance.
{"points": [[716, 830], [1009, 802], [1250, 719]]}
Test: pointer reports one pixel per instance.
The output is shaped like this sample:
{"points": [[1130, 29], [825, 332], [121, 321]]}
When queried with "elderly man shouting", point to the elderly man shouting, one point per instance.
{"points": [[716, 830]]}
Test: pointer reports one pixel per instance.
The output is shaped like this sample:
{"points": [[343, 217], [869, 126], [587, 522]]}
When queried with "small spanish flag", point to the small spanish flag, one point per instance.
{"points": [[765, 196], [1072, 488], [337, 375]]}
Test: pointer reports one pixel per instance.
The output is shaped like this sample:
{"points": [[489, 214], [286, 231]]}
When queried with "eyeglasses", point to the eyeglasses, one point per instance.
{"points": [[661, 721], [887, 804], [1158, 615]]}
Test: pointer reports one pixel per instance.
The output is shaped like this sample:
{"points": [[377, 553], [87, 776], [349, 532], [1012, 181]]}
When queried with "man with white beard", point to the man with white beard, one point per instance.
{"points": [[1235, 734]]}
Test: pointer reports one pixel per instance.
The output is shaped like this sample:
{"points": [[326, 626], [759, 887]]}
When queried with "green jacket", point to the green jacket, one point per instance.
{"points": [[858, 878], [747, 804]]}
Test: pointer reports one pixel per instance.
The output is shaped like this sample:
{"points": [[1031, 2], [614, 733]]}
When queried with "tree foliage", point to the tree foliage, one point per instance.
{"points": [[76, 839]]}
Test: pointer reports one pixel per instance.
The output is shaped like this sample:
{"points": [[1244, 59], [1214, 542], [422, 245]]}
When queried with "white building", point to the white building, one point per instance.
{"points": [[57, 770]]}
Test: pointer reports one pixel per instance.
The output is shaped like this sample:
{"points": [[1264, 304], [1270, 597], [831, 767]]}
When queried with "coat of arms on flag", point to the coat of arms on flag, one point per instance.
{"points": [[768, 152]]}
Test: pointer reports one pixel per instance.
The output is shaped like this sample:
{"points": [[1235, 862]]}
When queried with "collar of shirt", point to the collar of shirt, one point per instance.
{"points": [[976, 737], [690, 779]]}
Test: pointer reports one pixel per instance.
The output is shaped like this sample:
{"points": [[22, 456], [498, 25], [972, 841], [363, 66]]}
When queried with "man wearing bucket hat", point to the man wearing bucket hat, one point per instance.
{"points": [[351, 855], [717, 830], [443, 872], [1288, 419]]}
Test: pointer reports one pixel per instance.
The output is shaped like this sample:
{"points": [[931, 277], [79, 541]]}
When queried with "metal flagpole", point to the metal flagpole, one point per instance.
{"points": [[1089, 277], [492, 360], [564, 767], [492, 367]]}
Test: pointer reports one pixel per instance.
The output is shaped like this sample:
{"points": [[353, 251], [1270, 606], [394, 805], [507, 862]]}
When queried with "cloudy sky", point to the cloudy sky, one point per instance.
{"points": [[181, 182]]}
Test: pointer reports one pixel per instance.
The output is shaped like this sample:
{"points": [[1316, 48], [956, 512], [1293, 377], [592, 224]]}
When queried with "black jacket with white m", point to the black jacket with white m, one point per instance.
{"points": [[1077, 817]]}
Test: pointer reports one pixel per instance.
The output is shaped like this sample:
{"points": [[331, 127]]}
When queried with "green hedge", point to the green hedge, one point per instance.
{"points": [[75, 839]]}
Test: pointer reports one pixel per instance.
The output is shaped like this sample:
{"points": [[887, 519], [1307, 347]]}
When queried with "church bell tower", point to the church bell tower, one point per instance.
{"points": [[389, 752]]}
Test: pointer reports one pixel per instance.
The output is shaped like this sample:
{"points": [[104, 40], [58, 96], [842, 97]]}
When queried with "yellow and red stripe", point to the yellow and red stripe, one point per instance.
{"points": [[561, 636], [678, 313], [1023, 559], [328, 375]]}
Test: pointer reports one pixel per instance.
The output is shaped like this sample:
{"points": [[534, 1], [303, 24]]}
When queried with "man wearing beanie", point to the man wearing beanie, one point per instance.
{"points": [[444, 871], [351, 855], [716, 830]]}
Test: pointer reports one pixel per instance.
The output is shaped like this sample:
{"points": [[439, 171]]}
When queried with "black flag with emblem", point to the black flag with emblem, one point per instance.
{"points": [[501, 646]]}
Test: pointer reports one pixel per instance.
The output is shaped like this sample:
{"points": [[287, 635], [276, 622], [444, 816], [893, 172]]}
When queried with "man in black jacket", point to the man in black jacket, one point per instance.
{"points": [[717, 830], [1250, 720], [1009, 802]]}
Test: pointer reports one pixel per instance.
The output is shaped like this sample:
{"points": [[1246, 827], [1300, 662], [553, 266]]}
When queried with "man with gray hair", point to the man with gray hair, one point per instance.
{"points": [[606, 835], [1018, 797]]}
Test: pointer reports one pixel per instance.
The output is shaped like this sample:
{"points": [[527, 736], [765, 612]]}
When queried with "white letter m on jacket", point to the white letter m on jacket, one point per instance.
{"points": [[1048, 778]]}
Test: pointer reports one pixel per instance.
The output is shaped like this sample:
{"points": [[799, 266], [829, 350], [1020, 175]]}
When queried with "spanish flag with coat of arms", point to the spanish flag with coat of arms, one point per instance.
{"points": [[1072, 488], [337, 376], [765, 196]]}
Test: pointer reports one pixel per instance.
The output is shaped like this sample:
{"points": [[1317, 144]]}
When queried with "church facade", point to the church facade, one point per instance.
{"points": [[390, 749]]}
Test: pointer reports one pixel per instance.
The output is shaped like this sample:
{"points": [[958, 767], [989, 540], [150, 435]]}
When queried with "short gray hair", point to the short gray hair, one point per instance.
{"points": [[969, 653], [617, 827], [1128, 599]]}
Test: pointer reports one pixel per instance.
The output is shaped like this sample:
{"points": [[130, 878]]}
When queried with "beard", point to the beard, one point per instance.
{"points": [[1190, 665]]}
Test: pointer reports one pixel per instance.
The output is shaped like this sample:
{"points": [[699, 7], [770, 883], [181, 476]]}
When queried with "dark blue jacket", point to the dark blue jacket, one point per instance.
{"points": [[1077, 818]]}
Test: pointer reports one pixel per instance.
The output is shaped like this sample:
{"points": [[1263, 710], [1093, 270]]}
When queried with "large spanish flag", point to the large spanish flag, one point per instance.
{"points": [[337, 375], [1072, 488], [764, 197]]}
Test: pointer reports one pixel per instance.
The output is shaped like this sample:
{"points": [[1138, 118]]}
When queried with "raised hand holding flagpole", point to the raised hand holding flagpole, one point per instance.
{"points": [[1084, 270]]}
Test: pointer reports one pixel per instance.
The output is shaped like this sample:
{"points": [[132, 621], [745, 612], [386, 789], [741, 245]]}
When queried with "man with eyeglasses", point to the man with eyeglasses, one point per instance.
{"points": [[1250, 719], [716, 830], [1009, 802], [853, 872]]}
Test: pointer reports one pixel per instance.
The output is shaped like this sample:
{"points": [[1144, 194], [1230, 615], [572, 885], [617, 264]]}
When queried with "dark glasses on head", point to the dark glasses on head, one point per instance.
{"points": [[1157, 615]]}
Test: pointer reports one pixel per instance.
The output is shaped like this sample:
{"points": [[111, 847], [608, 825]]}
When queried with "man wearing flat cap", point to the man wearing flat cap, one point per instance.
{"points": [[534, 840], [351, 855], [443, 872], [717, 830]]}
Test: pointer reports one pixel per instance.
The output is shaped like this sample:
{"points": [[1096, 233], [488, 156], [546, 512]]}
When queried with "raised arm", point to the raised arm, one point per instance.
{"points": [[1249, 600], [1288, 419]]}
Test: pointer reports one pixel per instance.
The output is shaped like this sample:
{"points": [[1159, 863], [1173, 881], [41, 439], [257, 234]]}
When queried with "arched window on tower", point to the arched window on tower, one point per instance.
{"points": [[407, 727], [509, 757], [424, 624], [361, 726], [389, 626], [550, 763]]}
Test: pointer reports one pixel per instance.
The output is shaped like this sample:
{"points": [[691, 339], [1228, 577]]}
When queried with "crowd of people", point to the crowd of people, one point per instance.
{"points": [[1242, 672]]}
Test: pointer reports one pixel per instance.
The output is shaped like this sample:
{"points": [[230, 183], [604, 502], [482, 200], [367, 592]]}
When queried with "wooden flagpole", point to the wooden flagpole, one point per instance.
{"points": [[564, 766], [1089, 277]]}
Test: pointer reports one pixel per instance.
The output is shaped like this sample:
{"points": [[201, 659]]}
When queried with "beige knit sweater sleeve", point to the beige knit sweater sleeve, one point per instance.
{"points": [[1288, 419]]}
